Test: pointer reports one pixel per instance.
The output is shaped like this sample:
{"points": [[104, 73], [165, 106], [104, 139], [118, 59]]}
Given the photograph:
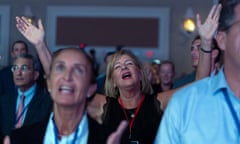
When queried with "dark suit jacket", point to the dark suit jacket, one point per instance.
{"points": [[39, 107], [34, 134], [6, 80]]}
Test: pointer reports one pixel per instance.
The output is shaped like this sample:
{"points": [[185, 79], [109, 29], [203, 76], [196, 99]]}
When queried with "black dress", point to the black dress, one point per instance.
{"points": [[146, 123]]}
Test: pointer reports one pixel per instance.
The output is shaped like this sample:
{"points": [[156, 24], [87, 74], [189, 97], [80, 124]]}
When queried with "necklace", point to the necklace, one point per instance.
{"points": [[58, 136], [131, 113], [131, 121]]}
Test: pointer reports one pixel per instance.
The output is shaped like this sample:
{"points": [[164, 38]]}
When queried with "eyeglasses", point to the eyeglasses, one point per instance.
{"points": [[23, 68]]}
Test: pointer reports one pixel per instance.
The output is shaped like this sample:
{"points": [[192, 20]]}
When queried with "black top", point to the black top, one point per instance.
{"points": [[39, 107], [145, 126], [34, 134], [6, 80]]}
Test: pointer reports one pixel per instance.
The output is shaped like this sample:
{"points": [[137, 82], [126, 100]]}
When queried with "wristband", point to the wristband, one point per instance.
{"points": [[205, 51]]}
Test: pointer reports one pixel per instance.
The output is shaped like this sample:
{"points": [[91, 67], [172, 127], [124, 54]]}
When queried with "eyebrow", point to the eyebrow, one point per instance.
{"points": [[76, 64], [124, 61]]}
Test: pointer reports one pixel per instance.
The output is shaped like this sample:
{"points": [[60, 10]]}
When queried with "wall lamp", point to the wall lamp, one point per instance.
{"points": [[28, 13], [188, 23]]}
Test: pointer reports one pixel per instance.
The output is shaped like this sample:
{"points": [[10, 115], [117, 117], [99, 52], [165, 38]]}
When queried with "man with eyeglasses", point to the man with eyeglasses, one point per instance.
{"points": [[30, 103], [6, 77]]}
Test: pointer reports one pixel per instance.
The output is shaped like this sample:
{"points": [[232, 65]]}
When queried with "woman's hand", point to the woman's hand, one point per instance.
{"points": [[34, 34], [115, 137], [6, 140]]}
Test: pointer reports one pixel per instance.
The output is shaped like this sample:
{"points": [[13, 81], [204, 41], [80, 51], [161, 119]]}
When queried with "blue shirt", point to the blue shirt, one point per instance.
{"points": [[184, 80], [199, 114], [28, 97]]}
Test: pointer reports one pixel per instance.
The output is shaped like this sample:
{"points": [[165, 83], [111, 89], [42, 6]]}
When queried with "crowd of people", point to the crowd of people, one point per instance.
{"points": [[131, 102]]}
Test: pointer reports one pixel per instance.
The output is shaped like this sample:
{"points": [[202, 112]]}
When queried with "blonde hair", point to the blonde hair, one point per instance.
{"points": [[112, 91]]}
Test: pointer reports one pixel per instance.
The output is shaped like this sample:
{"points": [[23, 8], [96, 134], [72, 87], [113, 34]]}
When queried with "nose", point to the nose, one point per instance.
{"points": [[68, 75], [18, 71], [123, 66]]}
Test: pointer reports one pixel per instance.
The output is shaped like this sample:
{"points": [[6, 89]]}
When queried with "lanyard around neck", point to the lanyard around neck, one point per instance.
{"points": [[130, 122], [21, 114], [56, 133]]}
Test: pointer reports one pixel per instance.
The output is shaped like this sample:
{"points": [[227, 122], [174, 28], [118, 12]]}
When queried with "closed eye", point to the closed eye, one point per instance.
{"points": [[130, 63], [117, 66]]}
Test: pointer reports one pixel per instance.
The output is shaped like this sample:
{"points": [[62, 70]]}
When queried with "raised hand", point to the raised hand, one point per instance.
{"points": [[34, 34], [115, 137], [207, 29], [206, 32]]}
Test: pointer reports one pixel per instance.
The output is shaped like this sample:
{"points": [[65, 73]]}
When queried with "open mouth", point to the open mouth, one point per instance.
{"points": [[126, 75], [66, 89]]}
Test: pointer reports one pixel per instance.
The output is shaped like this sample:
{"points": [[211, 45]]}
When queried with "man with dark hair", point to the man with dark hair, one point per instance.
{"points": [[18, 47], [6, 77], [29, 103], [195, 55], [208, 110]]}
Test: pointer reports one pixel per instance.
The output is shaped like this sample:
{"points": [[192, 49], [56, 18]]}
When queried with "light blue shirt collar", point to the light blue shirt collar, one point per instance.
{"points": [[28, 95], [82, 135]]}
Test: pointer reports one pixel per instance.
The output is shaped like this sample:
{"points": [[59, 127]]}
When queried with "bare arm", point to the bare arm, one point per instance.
{"points": [[36, 35], [206, 32], [164, 97], [95, 107]]}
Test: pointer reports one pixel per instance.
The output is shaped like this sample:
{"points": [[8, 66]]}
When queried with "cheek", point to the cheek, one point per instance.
{"points": [[52, 84], [115, 76]]}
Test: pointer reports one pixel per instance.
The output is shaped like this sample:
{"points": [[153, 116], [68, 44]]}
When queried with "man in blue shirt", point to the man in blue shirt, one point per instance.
{"points": [[36, 104], [208, 110]]}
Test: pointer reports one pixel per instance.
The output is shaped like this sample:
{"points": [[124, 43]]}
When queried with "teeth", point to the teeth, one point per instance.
{"points": [[66, 89]]}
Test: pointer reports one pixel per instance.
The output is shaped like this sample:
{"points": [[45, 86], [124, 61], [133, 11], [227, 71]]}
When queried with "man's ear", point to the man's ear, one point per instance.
{"points": [[221, 40]]}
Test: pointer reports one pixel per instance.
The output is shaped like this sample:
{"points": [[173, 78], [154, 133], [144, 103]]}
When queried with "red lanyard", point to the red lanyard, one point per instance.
{"points": [[130, 122]]}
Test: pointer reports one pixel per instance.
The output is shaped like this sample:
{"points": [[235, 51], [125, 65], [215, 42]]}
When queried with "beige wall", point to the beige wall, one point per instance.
{"points": [[179, 45]]}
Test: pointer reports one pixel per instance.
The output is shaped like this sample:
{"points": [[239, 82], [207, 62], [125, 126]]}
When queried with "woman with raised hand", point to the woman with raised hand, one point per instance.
{"points": [[129, 95], [133, 93]]}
